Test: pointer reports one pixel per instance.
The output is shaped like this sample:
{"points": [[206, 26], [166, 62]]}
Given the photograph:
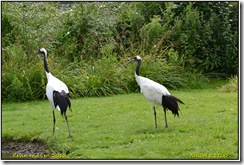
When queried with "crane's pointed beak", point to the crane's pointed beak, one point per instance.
{"points": [[130, 61], [39, 52]]}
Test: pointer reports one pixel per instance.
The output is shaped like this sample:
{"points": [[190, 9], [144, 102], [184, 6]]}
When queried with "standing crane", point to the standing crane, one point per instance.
{"points": [[156, 93], [57, 93]]}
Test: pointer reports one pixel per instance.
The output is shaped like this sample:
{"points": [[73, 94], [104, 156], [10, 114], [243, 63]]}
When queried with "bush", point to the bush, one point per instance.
{"points": [[33, 24]]}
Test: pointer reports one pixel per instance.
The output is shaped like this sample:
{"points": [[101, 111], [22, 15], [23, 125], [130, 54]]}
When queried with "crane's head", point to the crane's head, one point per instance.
{"points": [[42, 51], [136, 58]]}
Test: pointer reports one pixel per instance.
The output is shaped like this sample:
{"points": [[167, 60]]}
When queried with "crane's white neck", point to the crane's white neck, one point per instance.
{"points": [[137, 78]]}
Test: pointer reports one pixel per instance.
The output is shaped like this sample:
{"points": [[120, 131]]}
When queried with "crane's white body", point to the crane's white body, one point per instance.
{"points": [[57, 93], [152, 90], [54, 84], [156, 93]]}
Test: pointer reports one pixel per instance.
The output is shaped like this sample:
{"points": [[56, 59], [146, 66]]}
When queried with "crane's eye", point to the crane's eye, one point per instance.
{"points": [[137, 58]]}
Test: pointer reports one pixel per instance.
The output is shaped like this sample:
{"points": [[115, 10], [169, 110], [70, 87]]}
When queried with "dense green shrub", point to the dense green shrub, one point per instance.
{"points": [[33, 25], [218, 50], [86, 26]]}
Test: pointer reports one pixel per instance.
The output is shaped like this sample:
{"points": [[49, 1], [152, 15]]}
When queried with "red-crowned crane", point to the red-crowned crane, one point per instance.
{"points": [[156, 93], [57, 93]]}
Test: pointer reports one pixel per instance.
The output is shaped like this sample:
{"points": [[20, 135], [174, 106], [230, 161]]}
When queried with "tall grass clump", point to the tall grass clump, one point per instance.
{"points": [[162, 72], [104, 76], [21, 80], [231, 86], [195, 79], [100, 77]]}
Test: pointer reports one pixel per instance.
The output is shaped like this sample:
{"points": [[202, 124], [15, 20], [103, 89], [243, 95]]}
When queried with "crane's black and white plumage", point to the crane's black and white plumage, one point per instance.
{"points": [[156, 93], [57, 93]]}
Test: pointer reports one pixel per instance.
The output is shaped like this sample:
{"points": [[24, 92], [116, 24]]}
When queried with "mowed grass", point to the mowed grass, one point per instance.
{"points": [[122, 127]]}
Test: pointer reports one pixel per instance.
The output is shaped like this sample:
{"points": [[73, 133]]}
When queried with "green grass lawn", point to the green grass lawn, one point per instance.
{"points": [[122, 127]]}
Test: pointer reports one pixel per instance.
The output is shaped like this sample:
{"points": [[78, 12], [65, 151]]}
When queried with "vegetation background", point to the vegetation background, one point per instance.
{"points": [[182, 44]]}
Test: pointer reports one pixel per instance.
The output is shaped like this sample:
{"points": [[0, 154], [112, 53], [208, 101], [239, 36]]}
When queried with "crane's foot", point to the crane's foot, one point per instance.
{"points": [[166, 126], [70, 136]]}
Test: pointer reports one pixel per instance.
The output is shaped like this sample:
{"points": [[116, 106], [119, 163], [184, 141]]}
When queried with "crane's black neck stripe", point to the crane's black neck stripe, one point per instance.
{"points": [[45, 64], [138, 67]]}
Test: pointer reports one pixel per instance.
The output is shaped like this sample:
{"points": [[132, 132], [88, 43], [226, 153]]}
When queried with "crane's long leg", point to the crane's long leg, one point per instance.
{"points": [[155, 116], [66, 118], [54, 121], [166, 124]]}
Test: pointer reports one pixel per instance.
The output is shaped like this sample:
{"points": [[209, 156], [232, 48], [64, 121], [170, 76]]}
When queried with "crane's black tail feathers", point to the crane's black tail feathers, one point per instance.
{"points": [[170, 102], [62, 100]]}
